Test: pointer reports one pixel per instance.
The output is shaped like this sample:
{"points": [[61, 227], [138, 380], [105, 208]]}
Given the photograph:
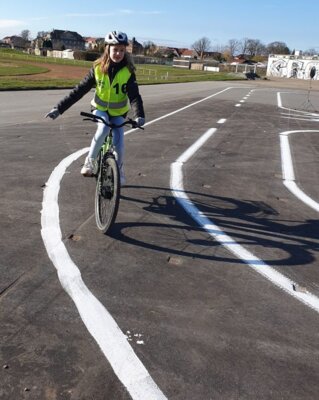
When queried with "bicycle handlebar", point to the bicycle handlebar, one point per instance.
{"points": [[96, 118]]}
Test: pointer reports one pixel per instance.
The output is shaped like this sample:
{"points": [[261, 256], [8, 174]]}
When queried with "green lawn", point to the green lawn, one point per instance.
{"points": [[12, 68], [12, 83], [15, 66], [8, 54]]}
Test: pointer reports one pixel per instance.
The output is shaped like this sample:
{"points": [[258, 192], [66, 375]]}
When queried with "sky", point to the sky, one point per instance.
{"points": [[176, 23]]}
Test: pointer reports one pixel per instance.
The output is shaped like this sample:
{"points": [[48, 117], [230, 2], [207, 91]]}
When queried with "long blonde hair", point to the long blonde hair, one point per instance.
{"points": [[104, 61]]}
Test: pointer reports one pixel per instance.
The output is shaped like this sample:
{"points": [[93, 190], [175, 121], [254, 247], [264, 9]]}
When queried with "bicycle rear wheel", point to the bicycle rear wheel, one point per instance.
{"points": [[107, 194]]}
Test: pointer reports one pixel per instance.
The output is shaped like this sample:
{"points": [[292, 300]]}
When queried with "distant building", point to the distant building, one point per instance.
{"points": [[91, 43], [4, 44], [16, 42], [187, 54], [60, 40], [167, 52], [135, 47]]}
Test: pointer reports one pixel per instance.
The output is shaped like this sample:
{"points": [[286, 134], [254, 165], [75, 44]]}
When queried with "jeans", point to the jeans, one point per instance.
{"points": [[101, 133]]}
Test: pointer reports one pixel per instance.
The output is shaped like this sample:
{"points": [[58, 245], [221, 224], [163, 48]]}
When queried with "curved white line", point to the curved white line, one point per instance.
{"points": [[96, 318], [288, 169], [239, 251]]}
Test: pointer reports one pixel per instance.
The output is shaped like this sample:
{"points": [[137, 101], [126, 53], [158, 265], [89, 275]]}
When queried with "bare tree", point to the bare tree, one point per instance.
{"points": [[218, 48], [25, 34], [255, 47], [233, 46], [243, 45], [42, 34], [201, 46], [311, 52]]}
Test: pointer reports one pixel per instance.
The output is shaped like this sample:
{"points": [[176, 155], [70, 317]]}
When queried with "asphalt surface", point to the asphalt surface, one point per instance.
{"points": [[197, 317]]}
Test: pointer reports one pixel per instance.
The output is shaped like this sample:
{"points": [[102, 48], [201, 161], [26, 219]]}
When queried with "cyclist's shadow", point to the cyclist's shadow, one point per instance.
{"points": [[249, 223]]}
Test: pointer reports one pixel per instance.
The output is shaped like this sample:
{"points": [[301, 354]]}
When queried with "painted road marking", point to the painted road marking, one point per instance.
{"points": [[288, 169], [286, 159], [177, 188], [296, 114]]}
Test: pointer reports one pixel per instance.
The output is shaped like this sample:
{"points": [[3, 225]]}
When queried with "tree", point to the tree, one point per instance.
{"points": [[244, 45], [227, 56], [277, 48], [150, 48], [201, 46], [47, 44], [311, 52], [233, 46], [100, 45], [41, 34], [218, 48], [25, 34], [255, 47]]}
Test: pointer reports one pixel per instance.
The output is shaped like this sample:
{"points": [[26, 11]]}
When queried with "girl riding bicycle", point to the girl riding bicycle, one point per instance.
{"points": [[115, 84]]}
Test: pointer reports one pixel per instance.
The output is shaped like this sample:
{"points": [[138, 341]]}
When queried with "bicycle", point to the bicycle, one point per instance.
{"points": [[108, 187]]}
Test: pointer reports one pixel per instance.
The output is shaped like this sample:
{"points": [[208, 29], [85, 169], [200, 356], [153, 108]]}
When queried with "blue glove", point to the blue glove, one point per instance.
{"points": [[140, 121], [53, 114]]}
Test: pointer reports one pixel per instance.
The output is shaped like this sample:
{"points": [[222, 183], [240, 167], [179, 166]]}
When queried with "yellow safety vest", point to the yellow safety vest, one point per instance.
{"points": [[111, 97]]}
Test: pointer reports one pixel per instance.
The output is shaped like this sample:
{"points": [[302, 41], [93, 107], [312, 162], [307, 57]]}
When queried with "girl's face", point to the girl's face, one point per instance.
{"points": [[117, 52]]}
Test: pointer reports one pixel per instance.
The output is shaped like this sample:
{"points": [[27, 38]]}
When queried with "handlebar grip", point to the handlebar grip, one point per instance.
{"points": [[84, 114]]}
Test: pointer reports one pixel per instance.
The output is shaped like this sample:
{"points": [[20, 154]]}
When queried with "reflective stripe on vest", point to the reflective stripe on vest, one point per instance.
{"points": [[106, 104], [111, 97]]}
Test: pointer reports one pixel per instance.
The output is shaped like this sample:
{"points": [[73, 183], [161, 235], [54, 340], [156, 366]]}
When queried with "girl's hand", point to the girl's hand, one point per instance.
{"points": [[140, 121], [53, 114]]}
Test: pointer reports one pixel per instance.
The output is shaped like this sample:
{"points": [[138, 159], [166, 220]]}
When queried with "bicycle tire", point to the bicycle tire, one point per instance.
{"points": [[107, 194]]}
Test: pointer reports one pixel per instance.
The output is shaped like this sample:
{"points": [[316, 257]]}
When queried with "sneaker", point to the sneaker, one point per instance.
{"points": [[89, 168]]}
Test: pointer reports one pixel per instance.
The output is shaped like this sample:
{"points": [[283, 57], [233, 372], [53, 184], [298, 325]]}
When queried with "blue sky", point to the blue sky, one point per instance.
{"points": [[170, 22]]}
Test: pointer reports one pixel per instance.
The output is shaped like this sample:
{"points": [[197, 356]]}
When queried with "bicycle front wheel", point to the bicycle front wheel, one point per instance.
{"points": [[107, 195]]}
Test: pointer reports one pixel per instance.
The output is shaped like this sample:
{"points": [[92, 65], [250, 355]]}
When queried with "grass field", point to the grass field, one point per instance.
{"points": [[22, 71]]}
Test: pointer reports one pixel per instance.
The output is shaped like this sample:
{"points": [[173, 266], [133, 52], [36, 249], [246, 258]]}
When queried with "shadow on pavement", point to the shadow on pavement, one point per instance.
{"points": [[249, 223]]}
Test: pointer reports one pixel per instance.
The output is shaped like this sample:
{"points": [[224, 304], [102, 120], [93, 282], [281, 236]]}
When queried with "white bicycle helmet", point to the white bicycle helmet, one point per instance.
{"points": [[116, 37]]}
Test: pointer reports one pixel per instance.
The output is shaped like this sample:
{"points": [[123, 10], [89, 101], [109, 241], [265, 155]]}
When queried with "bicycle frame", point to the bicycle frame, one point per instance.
{"points": [[107, 146]]}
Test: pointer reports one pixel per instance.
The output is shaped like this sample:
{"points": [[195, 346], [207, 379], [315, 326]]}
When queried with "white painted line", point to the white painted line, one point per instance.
{"points": [[195, 146], [177, 188], [279, 102], [300, 119], [180, 109], [237, 105], [288, 169], [294, 189], [221, 121], [96, 318], [291, 110], [286, 162]]}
